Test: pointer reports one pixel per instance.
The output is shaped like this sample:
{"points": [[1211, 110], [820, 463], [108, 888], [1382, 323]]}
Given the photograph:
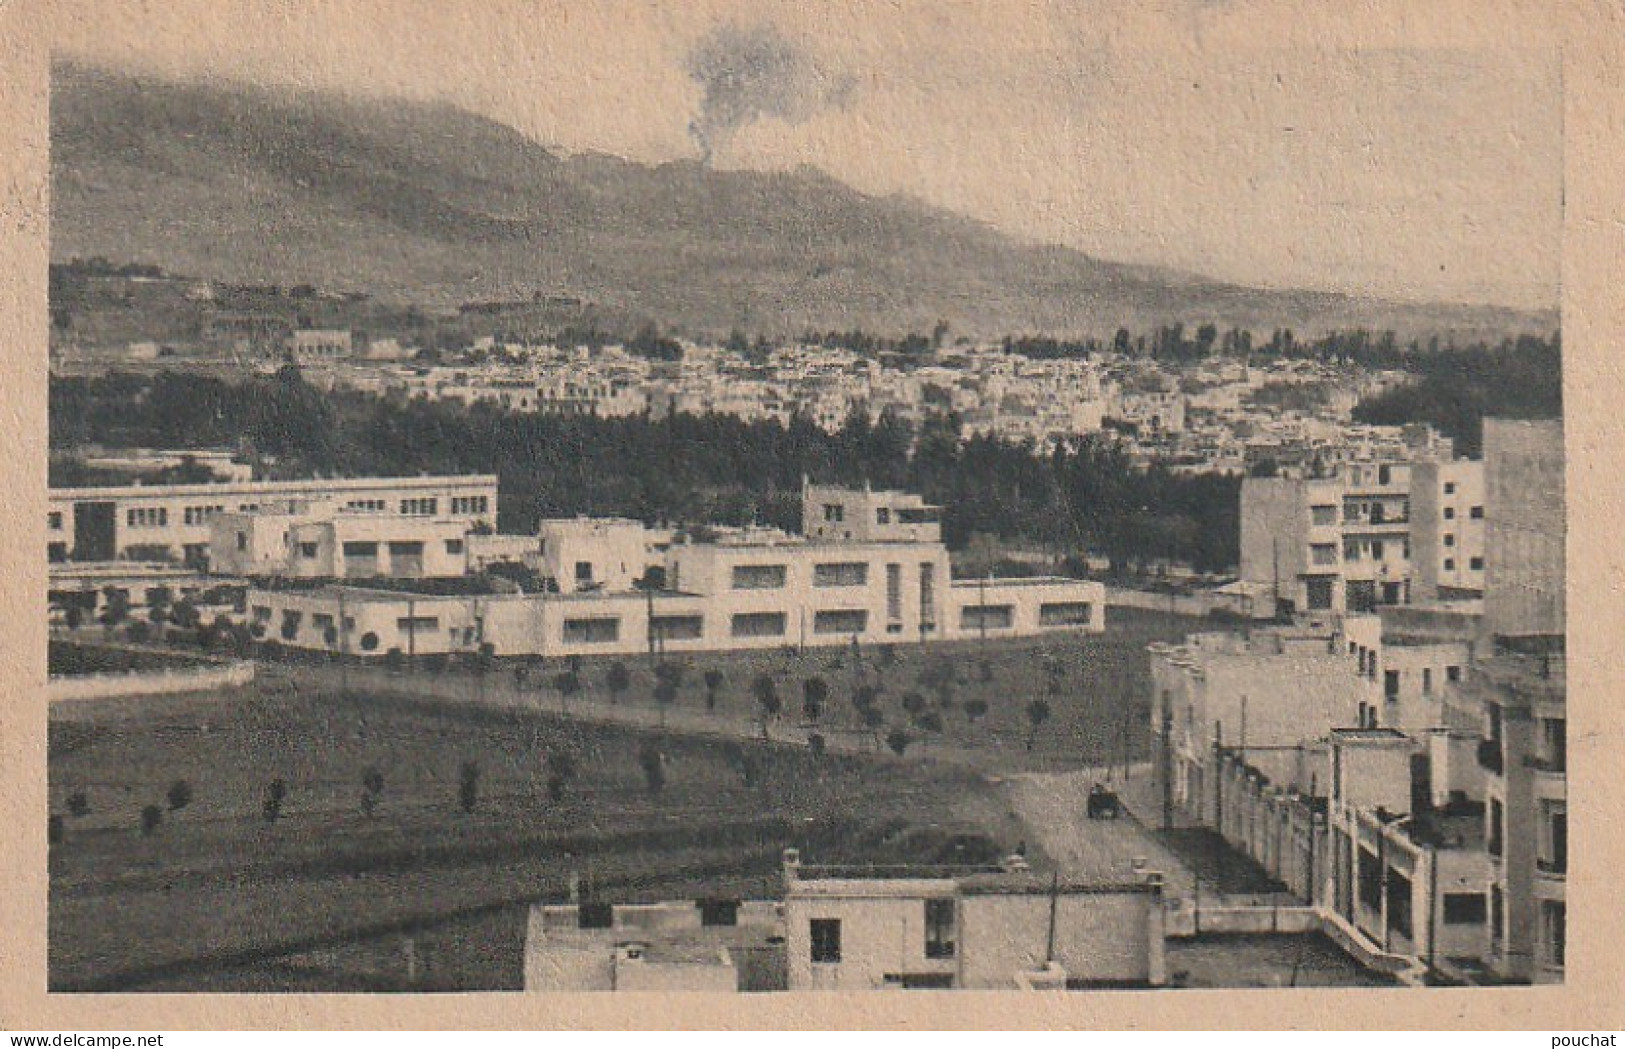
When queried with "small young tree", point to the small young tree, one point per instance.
{"points": [[929, 721], [275, 792], [766, 690], [814, 692], [568, 683], [975, 709], [913, 703], [372, 791], [1037, 714], [394, 661], [815, 744], [985, 667], [665, 696], [468, 786], [618, 679], [54, 829], [713, 686], [521, 676], [561, 770], [179, 796], [653, 764], [152, 817], [898, 741]]}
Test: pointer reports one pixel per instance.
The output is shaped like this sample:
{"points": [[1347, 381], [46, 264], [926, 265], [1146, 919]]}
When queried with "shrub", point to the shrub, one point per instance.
{"points": [[815, 743], [436, 662], [152, 817], [78, 804], [179, 796], [975, 708], [394, 659], [898, 741], [54, 828], [930, 721], [618, 680], [139, 631]]}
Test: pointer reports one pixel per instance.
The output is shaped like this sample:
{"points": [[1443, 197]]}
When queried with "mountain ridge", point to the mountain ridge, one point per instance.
{"points": [[423, 202]]}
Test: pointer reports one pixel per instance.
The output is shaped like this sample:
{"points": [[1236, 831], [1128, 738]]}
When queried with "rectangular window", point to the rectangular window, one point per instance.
{"points": [[939, 928], [1449, 539], [1450, 488], [826, 940], [678, 628], [1464, 908], [928, 596], [894, 592], [1377, 550], [834, 512], [1323, 515], [1427, 681], [308, 550], [1476, 513], [1450, 564], [1390, 685], [417, 624], [759, 624], [759, 577], [840, 621], [405, 548], [1449, 513], [1370, 878], [53, 521], [1452, 674], [882, 515], [1554, 934], [986, 617], [1476, 564], [360, 549], [454, 546], [242, 541], [593, 631], [851, 573], [1323, 553], [1065, 613]]}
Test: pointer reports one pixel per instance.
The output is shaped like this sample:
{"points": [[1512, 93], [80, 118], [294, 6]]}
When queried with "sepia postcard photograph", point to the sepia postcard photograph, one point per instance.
{"points": [[754, 499]]}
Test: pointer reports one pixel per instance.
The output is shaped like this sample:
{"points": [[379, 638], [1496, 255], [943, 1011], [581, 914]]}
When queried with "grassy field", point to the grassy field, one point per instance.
{"points": [[966, 695], [218, 885], [218, 895]]}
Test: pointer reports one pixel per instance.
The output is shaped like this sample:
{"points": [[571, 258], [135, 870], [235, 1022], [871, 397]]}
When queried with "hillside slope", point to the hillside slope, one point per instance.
{"points": [[430, 204]]}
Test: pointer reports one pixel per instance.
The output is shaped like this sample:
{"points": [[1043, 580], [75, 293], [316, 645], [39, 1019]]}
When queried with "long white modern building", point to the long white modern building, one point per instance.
{"points": [[173, 522], [869, 567]]}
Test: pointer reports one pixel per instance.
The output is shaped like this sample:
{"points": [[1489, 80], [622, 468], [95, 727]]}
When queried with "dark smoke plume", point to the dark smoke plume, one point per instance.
{"points": [[751, 74]]}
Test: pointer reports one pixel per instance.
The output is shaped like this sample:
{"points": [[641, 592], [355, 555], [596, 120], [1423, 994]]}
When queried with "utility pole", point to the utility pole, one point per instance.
{"points": [[344, 647]]}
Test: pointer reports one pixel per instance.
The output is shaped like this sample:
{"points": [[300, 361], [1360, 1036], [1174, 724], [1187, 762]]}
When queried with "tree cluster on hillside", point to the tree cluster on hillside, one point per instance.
{"points": [[1519, 379], [681, 469]]}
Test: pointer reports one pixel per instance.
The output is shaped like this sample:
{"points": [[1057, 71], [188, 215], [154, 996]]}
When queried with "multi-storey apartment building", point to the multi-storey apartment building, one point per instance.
{"points": [[172, 522], [1348, 541]]}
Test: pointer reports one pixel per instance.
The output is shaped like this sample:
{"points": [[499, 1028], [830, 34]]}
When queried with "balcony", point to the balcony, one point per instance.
{"points": [[1489, 756], [1553, 764]]}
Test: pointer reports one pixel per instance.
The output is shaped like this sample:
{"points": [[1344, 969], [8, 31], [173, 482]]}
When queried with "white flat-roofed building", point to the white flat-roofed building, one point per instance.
{"points": [[316, 541], [864, 927], [172, 522]]}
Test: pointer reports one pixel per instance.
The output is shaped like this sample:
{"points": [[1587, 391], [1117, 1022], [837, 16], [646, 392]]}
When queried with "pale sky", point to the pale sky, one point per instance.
{"points": [[1418, 159]]}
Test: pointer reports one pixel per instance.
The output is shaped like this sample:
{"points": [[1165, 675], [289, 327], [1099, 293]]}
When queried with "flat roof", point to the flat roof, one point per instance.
{"points": [[214, 488]]}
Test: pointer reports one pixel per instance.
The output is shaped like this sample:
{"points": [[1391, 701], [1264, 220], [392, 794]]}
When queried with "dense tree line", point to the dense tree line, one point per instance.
{"points": [[682, 469], [1519, 379]]}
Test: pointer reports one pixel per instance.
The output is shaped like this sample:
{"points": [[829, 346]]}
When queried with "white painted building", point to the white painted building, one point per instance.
{"points": [[173, 521]]}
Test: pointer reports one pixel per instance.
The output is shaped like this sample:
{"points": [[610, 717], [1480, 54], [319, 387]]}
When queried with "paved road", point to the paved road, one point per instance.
{"points": [[1053, 806]]}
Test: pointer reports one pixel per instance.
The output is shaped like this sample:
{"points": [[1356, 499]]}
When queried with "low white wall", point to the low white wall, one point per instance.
{"points": [[148, 683]]}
